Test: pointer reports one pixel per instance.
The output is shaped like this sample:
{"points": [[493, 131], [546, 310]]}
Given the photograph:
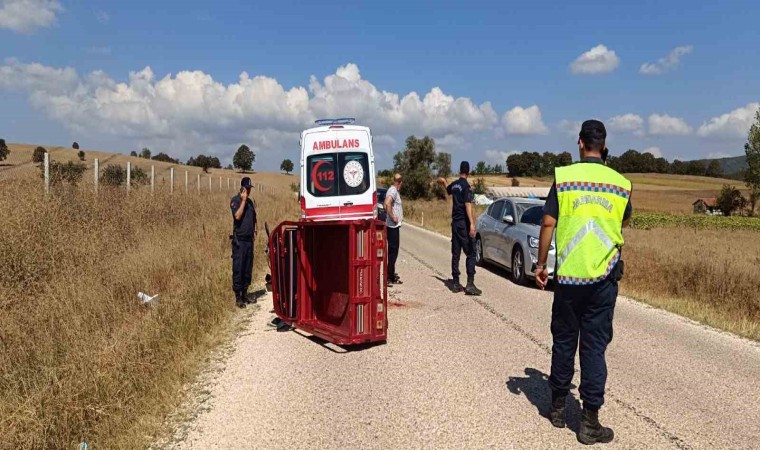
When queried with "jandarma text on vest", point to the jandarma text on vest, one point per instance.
{"points": [[592, 199]]}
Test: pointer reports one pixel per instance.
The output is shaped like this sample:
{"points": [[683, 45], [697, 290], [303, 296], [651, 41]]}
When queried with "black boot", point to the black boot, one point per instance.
{"points": [[470, 289], [592, 431], [239, 301], [557, 413], [247, 298]]}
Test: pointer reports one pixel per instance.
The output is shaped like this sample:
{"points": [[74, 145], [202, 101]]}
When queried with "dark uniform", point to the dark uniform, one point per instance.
{"points": [[591, 305], [242, 246], [584, 301], [461, 194]]}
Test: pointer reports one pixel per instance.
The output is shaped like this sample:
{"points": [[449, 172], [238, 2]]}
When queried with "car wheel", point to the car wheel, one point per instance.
{"points": [[518, 266], [479, 252]]}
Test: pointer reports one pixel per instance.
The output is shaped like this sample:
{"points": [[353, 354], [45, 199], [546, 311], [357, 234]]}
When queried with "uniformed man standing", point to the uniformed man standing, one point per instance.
{"points": [[243, 234], [462, 230], [589, 204]]}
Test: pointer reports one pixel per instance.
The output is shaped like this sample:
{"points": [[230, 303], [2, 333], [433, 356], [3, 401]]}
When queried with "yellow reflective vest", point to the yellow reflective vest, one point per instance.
{"points": [[592, 201]]}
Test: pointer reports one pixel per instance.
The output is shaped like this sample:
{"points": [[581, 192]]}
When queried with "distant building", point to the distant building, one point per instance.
{"points": [[707, 206]]}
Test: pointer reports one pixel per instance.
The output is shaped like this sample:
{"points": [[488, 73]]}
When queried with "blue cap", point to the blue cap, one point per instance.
{"points": [[246, 182]]}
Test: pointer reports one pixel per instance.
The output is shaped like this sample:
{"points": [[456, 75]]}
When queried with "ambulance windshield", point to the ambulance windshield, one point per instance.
{"points": [[337, 174]]}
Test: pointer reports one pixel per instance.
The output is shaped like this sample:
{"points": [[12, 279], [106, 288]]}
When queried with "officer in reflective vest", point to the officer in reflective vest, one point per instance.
{"points": [[589, 204]]}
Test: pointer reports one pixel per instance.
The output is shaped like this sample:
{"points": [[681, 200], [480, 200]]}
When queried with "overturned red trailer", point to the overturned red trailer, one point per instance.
{"points": [[328, 270]]}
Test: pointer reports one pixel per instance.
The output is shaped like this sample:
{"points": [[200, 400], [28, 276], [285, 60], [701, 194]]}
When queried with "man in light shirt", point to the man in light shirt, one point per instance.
{"points": [[393, 220]]}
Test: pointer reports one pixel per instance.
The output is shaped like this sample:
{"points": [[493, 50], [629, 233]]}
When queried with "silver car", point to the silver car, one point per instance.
{"points": [[507, 236]]}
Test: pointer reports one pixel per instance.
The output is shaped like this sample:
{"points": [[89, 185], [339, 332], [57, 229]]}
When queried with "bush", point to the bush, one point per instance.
{"points": [[114, 175], [295, 187], [515, 182], [4, 152], [80, 154], [68, 172], [480, 187], [139, 176], [39, 155], [438, 191]]}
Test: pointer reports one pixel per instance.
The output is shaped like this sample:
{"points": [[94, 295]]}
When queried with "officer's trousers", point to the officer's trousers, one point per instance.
{"points": [[394, 241], [582, 313], [461, 241], [242, 264]]}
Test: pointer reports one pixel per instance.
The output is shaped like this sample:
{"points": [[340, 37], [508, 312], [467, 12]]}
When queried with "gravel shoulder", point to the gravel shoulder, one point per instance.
{"points": [[471, 372]]}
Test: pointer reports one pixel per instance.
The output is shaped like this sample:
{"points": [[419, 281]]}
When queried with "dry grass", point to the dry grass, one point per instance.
{"points": [[80, 358], [708, 276]]}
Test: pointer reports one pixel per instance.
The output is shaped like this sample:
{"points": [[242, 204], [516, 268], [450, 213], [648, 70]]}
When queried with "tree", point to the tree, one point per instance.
{"points": [[38, 155], [752, 150], [415, 163], [145, 153], [4, 152], [498, 169], [163, 157], [229, 167], [205, 162], [443, 165], [286, 166], [244, 158], [480, 187], [730, 200], [713, 169], [133, 154], [80, 154], [480, 168], [75, 145]]}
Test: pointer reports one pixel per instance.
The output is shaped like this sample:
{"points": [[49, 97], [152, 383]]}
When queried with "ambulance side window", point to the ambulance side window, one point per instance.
{"points": [[321, 175], [354, 173]]}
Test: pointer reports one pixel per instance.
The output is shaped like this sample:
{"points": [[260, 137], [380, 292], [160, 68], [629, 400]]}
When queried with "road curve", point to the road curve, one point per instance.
{"points": [[463, 372]]}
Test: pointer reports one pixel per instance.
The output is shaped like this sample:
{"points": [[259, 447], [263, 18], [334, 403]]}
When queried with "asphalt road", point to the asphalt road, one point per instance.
{"points": [[463, 372]]}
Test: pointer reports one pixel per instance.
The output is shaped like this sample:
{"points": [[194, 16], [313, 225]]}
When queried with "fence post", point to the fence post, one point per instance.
{"points": [[220, 184], [186, 185], [171, 180], [423, 219], [152, 179], [97, 174], [198, 184], [47, 172], [129, 174], [209, 183], [228, 184]]}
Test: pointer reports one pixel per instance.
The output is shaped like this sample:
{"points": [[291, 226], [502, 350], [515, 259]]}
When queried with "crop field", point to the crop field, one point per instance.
{"points": [[81, 359]]}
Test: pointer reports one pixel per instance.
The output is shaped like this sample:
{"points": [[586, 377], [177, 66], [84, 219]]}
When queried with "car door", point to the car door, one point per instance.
{"points": [[490, 225], [503, 247]]}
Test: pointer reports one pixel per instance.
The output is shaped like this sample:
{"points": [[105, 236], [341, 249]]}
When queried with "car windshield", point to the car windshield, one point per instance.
{"points": [[532, 215]]}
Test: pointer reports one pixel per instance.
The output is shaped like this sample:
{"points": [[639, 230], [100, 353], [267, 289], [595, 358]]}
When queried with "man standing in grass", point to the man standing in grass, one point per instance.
{"points": [[394, 217], [243, 234], [462, 230], [588, 205]]}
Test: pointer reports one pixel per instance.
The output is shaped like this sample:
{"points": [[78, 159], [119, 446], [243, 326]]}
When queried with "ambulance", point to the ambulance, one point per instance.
{"points": [[337, 172]]}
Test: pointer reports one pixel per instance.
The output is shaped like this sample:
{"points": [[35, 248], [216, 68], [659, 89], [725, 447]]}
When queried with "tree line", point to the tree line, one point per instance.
{"points": [[633, 161], [534, 164]]}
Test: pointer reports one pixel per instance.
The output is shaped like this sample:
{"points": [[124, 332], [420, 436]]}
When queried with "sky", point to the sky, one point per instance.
{"points": [[484, 79]]}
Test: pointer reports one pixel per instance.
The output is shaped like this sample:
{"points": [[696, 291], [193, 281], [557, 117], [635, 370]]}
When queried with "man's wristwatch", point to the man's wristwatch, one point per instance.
{"points": [[540, 266]]}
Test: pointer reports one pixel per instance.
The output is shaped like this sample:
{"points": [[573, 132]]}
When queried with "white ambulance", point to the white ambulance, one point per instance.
{"points": [[337, 171]]}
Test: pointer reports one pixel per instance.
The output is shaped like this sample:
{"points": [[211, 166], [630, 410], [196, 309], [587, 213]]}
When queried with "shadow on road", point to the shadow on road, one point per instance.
{"points": [[504, 273], [535, 387], [340, 349]]}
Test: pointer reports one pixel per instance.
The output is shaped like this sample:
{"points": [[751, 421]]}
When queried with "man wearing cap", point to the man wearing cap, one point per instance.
{"points": [[243, 233], [462, 230], [393, 219], [588, 204]]}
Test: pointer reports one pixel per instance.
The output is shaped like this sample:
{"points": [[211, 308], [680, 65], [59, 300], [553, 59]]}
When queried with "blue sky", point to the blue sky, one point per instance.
{"points": [[678, 78]]}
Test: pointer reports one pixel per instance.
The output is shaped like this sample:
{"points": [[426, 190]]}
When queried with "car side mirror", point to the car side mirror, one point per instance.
{"points": [[508, 219]]}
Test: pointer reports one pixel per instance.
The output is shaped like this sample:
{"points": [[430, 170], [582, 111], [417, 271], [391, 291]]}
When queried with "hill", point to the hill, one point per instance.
{"points": [[732, 167]]}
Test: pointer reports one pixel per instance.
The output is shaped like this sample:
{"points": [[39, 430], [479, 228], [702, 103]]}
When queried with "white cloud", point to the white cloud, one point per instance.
{"points": [[192, 108], [102, 16], [499, 156], [718, 155], [570, 127], [665, 125], [654, 151], [25, 16], [524, 121], [735, 124], [669, 62], [599, 59], [627, 123]]}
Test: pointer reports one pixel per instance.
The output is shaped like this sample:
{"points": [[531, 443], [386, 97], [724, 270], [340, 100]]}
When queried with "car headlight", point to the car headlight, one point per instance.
{"points": [[532, 242]]}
